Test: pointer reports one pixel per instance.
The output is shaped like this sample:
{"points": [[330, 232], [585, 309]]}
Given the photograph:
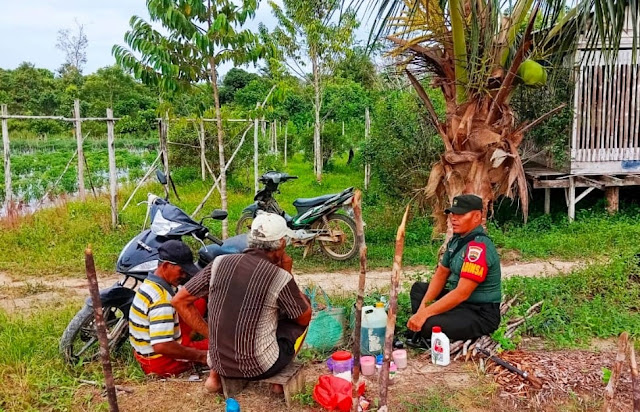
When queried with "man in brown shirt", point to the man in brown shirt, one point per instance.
{"points": [[257, 314]]}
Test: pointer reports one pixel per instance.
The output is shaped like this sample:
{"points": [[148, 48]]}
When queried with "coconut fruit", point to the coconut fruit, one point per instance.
{"points": [[532, 73]]}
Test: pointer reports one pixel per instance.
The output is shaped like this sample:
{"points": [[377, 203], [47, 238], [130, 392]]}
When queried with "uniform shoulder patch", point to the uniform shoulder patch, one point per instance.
{"points": [[475, 266]]}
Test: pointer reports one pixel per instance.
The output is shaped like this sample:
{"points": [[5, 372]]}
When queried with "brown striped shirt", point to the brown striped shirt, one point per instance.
{"points": [[247, 296]]}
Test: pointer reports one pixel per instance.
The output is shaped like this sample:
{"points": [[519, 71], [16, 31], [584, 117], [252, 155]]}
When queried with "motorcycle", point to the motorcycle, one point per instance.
{"points": [[139, 258], [317, 218]]}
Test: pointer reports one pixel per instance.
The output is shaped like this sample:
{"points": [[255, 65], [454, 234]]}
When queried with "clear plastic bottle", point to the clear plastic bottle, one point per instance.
{"points": [[439, 347]]}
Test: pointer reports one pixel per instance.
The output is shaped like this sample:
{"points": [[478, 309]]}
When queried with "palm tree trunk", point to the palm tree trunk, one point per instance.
{"points": [[459, 49], [317, 147], [223, 172]]}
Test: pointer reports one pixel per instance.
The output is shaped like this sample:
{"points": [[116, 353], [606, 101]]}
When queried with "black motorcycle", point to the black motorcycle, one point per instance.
{"points": [[139, 258], [317, 218]]}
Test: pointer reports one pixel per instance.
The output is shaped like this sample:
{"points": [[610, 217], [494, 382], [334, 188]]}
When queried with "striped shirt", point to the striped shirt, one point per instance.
{"points": [[248, 295], [152, 319]]}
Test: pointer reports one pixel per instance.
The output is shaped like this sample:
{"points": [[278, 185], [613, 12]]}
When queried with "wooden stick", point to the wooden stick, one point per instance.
{"points": [[8, 195], [635, 379], [145, 177], [113, 177], [393, 308], [101, 329], [506, 306], [610, 390], [118, 387], [76, 110], [357, 210], [203, 157]]}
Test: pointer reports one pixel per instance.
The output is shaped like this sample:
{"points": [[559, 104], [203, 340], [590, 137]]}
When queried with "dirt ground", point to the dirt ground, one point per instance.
{"points": [[573, 378], [29, 294]]}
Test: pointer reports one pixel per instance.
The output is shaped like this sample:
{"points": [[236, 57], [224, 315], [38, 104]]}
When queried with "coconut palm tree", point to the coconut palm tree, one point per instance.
{"points": [[477, 52]]}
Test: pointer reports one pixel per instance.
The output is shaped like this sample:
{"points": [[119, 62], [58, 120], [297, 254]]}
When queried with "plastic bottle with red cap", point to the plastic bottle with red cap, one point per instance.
{"points": [[342, 364], [439, 347]]}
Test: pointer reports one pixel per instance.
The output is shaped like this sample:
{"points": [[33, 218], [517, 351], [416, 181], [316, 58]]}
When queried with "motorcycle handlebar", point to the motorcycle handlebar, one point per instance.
{"points": [[214, 239]]}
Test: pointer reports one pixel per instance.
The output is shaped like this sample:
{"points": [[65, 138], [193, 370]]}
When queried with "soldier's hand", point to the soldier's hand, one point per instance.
{"points": [[416, 321]]}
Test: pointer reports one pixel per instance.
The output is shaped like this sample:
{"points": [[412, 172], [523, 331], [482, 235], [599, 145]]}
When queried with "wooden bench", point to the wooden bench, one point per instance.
{"points": [[291, 378]]}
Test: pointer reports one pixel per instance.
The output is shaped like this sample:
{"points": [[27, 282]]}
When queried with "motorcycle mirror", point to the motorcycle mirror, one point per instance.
{"points": [[162, 178], [219, 214]]}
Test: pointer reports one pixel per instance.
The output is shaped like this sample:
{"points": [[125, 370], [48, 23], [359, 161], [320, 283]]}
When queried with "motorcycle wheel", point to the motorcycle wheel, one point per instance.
{"points": [[347, 248], [79, 342], [244, 223]]}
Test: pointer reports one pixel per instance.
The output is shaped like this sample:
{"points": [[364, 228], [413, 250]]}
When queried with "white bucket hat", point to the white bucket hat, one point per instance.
{"points": [[269, 227]]}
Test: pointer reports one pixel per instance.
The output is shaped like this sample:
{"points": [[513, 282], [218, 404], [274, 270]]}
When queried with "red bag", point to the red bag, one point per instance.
{"points": [[334, 394]]}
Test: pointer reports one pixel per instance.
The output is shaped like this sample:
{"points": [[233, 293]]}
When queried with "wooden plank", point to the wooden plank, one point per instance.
{"points": [[78, 121], [635, 129], [575, 132], [618, 110], [286, 130], [550, 184], [585, 115], [624, 118], [604, 104], [6, 151], [583, 194], [599, 105], [601, 168], [113, 177], [595, 143]]}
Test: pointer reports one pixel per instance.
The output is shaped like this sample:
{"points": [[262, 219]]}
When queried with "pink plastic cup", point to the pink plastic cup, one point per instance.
{"points": [[368, 365]]}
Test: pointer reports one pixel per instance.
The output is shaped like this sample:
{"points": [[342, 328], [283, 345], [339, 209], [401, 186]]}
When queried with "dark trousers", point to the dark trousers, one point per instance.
{"points": [[465, 321], [287, 334]]}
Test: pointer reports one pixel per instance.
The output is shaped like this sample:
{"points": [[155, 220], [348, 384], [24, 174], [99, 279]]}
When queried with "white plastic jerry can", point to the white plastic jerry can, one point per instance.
{"points": [[439, 347], [374, 325]]}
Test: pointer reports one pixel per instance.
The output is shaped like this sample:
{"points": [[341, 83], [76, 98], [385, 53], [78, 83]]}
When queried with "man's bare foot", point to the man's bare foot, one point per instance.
{"points": [[276, 388], [213, 384]]}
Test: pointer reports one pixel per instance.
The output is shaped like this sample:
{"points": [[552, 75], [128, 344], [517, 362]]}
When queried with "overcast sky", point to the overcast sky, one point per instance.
{"points": [[28, 29]]}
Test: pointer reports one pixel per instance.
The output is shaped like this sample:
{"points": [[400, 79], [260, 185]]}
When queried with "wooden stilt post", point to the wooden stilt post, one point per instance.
{"points": [[572, 199], [613, 199], [113, 177], [547, 201], [357, 210], [367, 166], [78, 122], [203, 157], [101, 330], [391, 314], [286, 128], [8, 191]]}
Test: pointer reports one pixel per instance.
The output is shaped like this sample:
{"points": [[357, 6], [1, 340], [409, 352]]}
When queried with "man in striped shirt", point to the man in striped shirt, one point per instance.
{"points": [[257, 315], [154, 329]]}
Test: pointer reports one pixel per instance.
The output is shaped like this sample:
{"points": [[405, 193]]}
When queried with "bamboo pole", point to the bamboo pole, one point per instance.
{"points": [[610, 390], [635, 379], [164, 151], [78, 121], [275, 135], [393, 308], [113, 178], [8, 192], [357, 210], [203, 157], [101, 329]]}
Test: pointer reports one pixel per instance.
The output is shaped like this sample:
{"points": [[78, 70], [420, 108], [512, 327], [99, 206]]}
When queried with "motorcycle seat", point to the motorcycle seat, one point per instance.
{"points": [[312, 201]]}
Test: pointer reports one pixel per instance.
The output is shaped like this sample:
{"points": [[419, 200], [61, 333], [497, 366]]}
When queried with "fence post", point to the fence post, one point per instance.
{"points": [[367, 130], [8, 193], [113, 178], [286, 128], [78, 122], [164, 131], [203, 158], [275, 135], [255, 151]]}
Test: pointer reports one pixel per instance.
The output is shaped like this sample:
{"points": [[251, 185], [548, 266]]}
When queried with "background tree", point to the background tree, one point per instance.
{"points": [[477, 53], [319, 32], [202, 35], [74, 46]]}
